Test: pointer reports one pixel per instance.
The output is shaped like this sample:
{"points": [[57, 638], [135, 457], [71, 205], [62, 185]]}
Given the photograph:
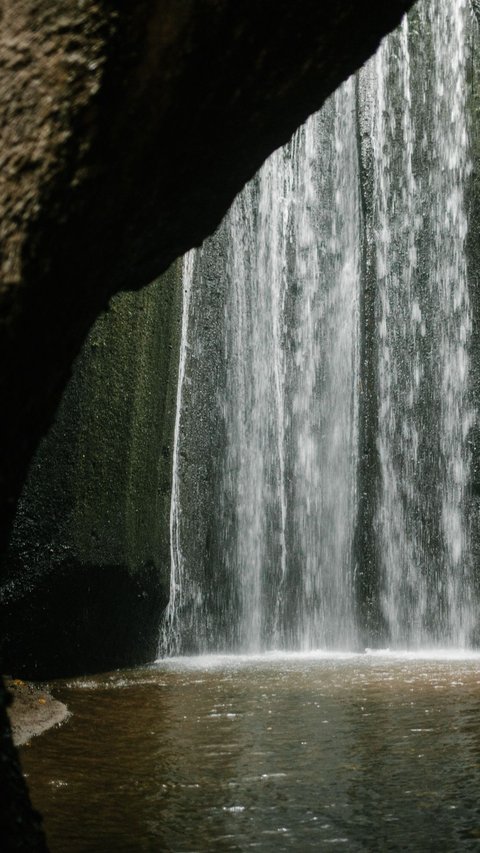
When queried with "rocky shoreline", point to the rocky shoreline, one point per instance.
{"points": [[33, 710]]}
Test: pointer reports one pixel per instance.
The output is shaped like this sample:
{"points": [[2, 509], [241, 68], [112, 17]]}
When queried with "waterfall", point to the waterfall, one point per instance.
{"points": [[324, 375], [325, 381], [420, 132], [254, 471]]}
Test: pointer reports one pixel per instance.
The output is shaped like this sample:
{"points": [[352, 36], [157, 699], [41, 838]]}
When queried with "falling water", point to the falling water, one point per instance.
{"points": [[170, 627], [420, 132], [326, 235], [280, 371], [282, 495], [254, 471]]}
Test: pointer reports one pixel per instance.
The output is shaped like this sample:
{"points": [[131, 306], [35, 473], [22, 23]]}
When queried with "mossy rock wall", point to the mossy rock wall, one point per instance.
{"points": [[87, 570]]}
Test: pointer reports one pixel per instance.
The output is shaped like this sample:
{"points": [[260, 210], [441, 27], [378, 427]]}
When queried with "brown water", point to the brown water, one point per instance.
{"points": [[365, 752]]}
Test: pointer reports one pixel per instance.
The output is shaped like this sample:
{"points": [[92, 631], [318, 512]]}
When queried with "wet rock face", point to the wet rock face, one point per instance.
{"points": [[127, 130], [85, 577], [20, 825]]}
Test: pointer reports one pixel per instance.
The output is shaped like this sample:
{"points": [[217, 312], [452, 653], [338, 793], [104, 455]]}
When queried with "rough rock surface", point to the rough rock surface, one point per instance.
{"points": [[86, 571], [33, 711], [127, 129], [20, 825]]}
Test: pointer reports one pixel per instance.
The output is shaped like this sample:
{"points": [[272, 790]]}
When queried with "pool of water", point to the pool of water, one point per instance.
{"points": [[298, 752]]}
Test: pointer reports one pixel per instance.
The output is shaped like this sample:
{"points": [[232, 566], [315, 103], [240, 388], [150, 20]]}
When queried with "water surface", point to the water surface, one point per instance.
{"points": [[363, 752]]}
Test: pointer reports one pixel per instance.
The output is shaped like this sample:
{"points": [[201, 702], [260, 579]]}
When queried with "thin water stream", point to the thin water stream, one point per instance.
{"points": [[362, 752]]}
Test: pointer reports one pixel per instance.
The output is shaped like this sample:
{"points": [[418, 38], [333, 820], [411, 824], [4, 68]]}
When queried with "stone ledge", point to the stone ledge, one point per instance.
{"points": [[33, 710]]}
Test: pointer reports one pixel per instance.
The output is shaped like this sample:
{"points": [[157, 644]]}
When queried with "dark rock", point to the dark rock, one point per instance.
{"points": [[81, 619], [127, 131], [20, 825], [86, 573]]}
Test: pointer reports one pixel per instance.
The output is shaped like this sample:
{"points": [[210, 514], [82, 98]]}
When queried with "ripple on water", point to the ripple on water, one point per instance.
{"points": [[279, 752]]}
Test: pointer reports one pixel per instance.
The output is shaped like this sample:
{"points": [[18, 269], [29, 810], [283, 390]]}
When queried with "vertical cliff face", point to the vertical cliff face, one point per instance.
{"points": [[86, 572], [87, 569], [127, 130], [338, 480]]}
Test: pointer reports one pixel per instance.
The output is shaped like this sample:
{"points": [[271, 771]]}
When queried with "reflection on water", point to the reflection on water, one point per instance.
{"points": [[365, 752]]}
